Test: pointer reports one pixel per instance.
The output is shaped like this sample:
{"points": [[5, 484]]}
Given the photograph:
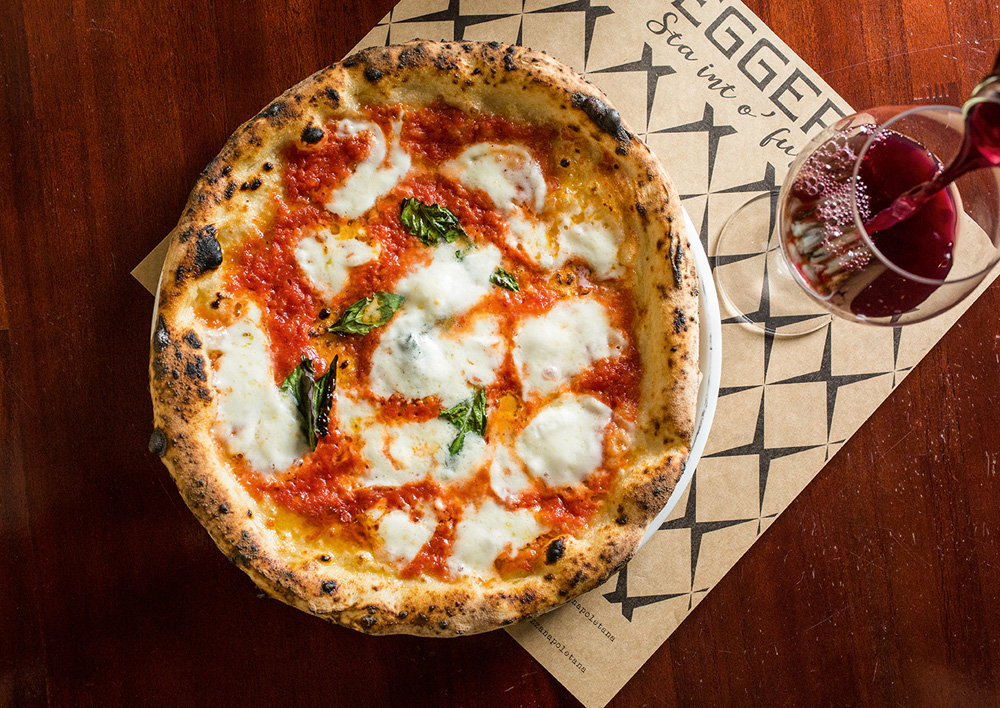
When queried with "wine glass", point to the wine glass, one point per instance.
{"points": [[812, 245]]}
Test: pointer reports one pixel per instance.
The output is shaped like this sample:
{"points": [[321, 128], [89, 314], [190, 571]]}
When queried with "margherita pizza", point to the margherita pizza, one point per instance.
{"points": [[425, 358]]}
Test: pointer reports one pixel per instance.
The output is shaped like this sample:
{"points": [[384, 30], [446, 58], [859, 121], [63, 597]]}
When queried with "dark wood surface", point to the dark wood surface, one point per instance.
{"points": [[879, 586]]}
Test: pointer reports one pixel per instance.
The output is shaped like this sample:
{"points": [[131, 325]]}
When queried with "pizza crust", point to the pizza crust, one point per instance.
{"points": [[517, 83]]}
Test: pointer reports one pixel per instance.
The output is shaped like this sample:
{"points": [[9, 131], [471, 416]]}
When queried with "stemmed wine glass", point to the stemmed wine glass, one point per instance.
{"points": [[818, 247]]}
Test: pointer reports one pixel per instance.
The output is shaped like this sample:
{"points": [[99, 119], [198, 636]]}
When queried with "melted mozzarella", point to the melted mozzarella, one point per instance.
{"points": [[593, 242], [256, 419], [417, 357], [550, 349], [447, 287], [507, 173], [564, 443], [485, 533], [371, 178], [326, 259], [587, 239], [507, 479], [408, 452], [403, 538]]}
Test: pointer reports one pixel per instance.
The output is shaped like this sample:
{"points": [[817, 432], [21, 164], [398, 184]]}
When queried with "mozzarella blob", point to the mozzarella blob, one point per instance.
{"points": [[564, 443], [401, 537], [589, 240], [485, 533], [255, 418], [373, 176], [551, 349], [416, 356], [408, 452], [507, 173], [326, 260]]}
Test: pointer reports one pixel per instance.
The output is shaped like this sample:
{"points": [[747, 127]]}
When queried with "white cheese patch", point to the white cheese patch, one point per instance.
{"points": [[408, 452], [447, 287], [550, 349], [416, 360], [403, 538], [507, 173], [256, 419], [593, 242], [564, 443], [326, 259], [485, 533], [417, 357], [507, 479], [590, 240], [371, 178]]}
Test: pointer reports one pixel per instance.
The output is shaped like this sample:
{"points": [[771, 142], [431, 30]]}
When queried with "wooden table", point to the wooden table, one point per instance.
{"points": [[888, 565]]}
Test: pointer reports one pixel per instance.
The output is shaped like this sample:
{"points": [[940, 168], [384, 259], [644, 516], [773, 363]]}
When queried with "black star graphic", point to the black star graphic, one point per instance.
{"points": [[653, 73]]}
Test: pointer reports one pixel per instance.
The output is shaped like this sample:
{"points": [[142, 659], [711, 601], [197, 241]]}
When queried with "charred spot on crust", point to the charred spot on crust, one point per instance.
{"points": [[550, 577], [372, 74], [223, 508], [623, 519], [367, 622], [195, 369], [564, 162], [326, 558], [640, 209], [622, 149], [192, 340], [273, 111], [508, 59], [477, 71], [208, 252], [422, 617], [328, 587], [186, 234], [268, 167], [161, 337], [312, 135], [158, 442], [226, 170], [332, 96], [403, 615], [575, 580], [680, 319], [604, 116], [230, 190], [555, 551], [494, 44], [443, 624], [676, 253]]}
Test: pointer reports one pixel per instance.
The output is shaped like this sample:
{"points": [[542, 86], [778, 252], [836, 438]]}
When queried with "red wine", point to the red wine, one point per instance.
{"points": [[980, 148], [822, 240]]}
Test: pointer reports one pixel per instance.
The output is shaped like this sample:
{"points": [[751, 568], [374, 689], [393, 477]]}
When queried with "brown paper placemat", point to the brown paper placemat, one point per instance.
{"points": [[725, 104]]}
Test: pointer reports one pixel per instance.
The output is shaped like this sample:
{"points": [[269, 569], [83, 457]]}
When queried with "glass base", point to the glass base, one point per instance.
{"points": [[753, 278]]}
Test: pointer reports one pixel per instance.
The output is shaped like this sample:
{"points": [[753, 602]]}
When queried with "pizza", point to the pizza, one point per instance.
{"points": [[425, 351]]}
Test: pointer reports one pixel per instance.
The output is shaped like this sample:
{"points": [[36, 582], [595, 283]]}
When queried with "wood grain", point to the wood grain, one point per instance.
{"points": [[887, 567]]}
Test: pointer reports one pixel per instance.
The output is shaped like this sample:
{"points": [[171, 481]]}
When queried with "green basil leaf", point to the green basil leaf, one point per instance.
{"points": [[367, 314], [429, 222], [313, 398], [468, 416], [300, 385], [323, 400], [504, 279]]}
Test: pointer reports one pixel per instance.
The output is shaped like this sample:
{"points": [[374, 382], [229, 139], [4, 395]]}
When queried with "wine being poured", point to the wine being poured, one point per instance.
{"points": [[899, 191], [822, 241], [889, 216]]}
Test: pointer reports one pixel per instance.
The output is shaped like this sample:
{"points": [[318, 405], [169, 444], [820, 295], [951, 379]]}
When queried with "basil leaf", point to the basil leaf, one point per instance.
{"points": [[300, 385], [504, 279], [467, 416], [313, 398], [323, 400], [367, 314], [429, 222]]}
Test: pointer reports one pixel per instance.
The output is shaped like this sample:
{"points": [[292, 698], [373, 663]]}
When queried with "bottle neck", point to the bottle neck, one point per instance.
{"points": [[990, 86]]}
